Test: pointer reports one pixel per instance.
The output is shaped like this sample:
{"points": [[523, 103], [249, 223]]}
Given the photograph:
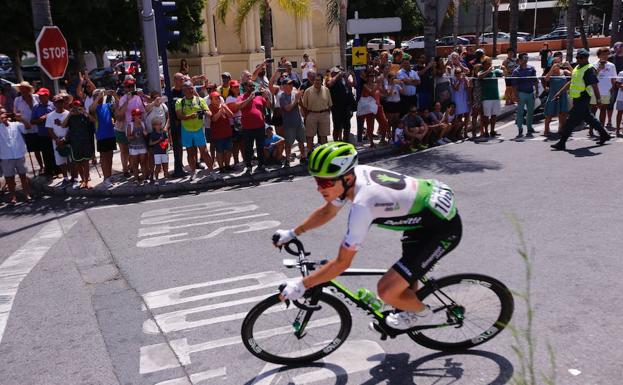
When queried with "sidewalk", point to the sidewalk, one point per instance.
{"points": [[127, 187]]}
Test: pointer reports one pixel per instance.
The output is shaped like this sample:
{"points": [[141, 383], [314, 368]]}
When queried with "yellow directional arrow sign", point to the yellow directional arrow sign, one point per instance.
{"points": [[360, 56]]}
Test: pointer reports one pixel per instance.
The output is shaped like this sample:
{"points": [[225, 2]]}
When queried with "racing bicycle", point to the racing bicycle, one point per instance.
{"points": [[468, 310]]}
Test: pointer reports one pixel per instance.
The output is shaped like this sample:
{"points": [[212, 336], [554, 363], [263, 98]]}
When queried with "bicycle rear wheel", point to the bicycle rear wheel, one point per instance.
{"points": [[270, 330], [481, 307]]}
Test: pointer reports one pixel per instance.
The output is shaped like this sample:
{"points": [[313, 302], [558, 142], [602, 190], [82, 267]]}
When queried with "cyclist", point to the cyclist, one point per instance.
{"points": [[423, 208]]}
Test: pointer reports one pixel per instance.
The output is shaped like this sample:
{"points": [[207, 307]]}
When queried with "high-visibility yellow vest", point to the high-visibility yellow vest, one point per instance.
{"points": [[577, 82]]}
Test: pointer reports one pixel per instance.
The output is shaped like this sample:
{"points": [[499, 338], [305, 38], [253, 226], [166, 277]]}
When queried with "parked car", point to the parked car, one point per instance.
{"points": [[502, 37], [525, 35], [5, 63], [103, 77], [449, 40], [413, 43], [555, 35], [473, 39], [375, 44]]}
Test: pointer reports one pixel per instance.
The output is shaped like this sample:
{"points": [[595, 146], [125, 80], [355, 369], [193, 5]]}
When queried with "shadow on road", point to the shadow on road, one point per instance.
{"points": [[397, 369], [442, 161], [584, 152], [438, 368]]}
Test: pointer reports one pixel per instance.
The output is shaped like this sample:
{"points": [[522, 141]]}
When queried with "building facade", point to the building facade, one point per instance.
{"points": [[225, 50]]}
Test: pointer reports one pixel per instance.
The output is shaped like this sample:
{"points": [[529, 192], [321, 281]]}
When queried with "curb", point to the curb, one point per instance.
{"points": [[201, 185]]}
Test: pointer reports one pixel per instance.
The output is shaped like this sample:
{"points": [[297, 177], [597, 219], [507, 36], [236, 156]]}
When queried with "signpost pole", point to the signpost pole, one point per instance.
{"points": [[56, 87]]}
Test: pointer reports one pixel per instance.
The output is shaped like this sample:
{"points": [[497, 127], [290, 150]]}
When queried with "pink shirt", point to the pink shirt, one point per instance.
{"points": [[134, 102]]}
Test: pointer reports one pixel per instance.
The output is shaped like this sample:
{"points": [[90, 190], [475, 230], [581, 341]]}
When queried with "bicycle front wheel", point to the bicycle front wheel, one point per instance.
{"points": [[474, 308], [287, 335]]}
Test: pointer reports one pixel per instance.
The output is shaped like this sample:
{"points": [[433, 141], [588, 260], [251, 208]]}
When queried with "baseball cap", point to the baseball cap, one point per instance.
{"points": [[214, 94], [582, 53], [287, 80], [76, 103], [58, 98], [234, 83], [136, 112], [187, 83], [129, 82], [43, 91], [480, 51], [226, 75]]}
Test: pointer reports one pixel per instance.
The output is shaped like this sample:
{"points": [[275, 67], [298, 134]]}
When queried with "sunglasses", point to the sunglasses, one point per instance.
{"points": [[324, 182]]}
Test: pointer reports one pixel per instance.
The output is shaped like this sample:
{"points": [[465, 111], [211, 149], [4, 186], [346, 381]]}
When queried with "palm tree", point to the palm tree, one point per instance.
{"points": [[455, 20], [494, 26], [41, 16], [337, 14], [514, 23], [297, 8], [615, 33], [572, 14]]}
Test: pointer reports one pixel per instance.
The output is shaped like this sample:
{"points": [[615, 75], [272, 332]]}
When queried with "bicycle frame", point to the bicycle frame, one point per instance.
{"points": [[341, 291]]}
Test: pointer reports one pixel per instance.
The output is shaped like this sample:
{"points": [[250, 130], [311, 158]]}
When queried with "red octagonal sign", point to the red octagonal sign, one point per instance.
{"points": [[52, 53]]}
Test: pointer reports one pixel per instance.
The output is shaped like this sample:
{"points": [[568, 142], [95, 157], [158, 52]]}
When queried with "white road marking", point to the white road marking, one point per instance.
{"points": [[158, 357], [160, 222], [195, 378], [352, 357], [178, 320], [16, 267], [183, 294]]}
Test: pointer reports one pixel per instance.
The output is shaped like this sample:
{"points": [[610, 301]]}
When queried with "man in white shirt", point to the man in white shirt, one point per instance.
{"points": [[410, 79], [13, 153], [307, 65], [54, 124], [23, 106], [606, 74]]}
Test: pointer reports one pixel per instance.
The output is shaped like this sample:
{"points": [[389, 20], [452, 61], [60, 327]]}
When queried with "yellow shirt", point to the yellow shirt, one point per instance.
{"points": [[317, 100]]}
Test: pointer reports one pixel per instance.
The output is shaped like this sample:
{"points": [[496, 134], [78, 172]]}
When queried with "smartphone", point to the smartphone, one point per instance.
{"points": [[281, 69], [258, 93], [270, 60]]}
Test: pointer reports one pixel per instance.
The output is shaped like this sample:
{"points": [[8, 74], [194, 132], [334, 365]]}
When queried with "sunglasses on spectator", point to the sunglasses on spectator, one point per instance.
{"points": [[324, 182]]}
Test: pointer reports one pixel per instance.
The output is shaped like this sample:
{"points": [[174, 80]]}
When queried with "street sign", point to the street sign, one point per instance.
{"points": [[360, 56], [377, 25], [52, 52]]}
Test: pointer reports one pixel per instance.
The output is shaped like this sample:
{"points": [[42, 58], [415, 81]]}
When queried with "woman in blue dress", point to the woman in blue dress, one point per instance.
{"points": [[556, 78]]}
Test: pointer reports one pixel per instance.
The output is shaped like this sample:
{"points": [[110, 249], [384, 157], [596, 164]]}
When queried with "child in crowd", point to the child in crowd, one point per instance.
{"points": [[80, 138], [136, 133], [450, 118], [400, 141], [159, 144], [273, 146]]}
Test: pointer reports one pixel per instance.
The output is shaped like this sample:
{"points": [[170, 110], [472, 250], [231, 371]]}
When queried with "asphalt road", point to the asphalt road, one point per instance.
{"points": [[153, 291]]}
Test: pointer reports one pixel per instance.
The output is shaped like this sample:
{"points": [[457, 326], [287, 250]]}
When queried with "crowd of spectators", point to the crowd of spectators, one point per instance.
{"points": [[409, 102]]}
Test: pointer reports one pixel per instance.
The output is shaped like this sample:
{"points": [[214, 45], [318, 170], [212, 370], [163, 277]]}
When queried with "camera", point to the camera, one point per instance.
{"points": [[270, 60], [258, 93], [201, 114], [134, 93]]}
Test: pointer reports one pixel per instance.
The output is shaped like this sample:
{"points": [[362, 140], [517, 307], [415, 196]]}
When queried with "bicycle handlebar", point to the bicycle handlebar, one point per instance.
{"points": [[298, 252]]}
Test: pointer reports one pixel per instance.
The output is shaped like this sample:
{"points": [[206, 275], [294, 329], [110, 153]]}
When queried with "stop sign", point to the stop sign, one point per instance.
{"points": [[52, 53]]}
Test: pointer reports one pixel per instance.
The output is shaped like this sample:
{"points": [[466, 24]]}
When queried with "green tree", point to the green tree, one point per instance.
{"points": [[337, 15], [297, 8], [572, 16], [41, 16], [21, 34], [190, 23]]}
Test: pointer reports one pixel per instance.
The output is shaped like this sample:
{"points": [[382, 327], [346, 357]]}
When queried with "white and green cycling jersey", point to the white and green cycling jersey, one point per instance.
{"points": [[396, 202]]}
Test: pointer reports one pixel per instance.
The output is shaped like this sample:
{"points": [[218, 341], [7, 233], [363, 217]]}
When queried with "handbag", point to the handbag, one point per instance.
{"points": [[64, 150]]}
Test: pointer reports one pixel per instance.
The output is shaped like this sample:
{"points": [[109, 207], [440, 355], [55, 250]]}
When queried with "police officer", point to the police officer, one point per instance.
{"points": [[583, 83]]}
